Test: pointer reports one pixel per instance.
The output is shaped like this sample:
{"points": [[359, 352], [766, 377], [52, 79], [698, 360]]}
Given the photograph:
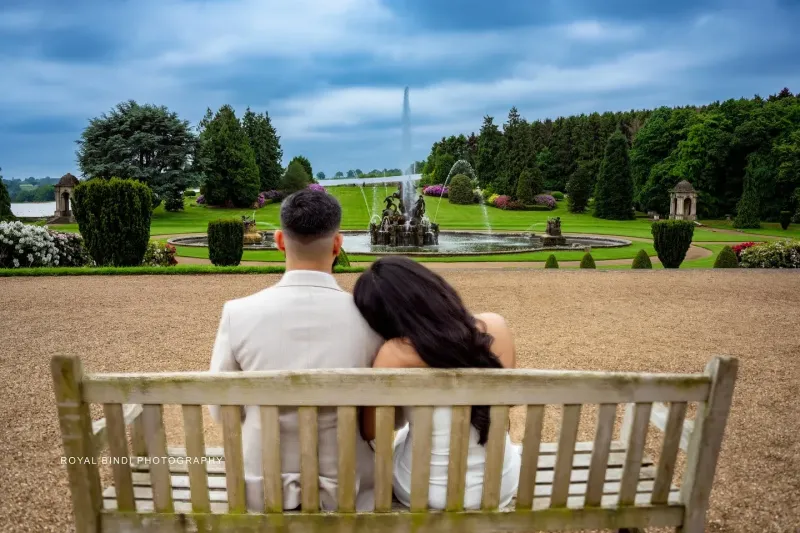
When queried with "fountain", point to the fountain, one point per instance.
{"points": [[552, 236], [251, 234], [397, 227]]}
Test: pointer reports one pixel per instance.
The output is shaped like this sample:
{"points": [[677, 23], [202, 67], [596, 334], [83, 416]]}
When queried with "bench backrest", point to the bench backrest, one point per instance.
{"points": [[644, 396]]}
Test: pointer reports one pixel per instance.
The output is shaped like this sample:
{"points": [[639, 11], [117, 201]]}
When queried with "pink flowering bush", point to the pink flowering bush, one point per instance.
{"points": [[274, 195], [436, 190], [316, 187], [201, 199], [545, 199], [501, 202], [159, 254], [774, 254], [742, 246]]}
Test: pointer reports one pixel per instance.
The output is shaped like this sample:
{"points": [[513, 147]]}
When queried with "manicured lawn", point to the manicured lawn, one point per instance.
{"points": [[357, 212], [705, 262], [767, 228]]}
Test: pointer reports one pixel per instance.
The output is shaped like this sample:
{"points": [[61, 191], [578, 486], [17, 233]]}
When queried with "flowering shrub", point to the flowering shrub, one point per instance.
{"points": [[436, 190], [742, 246], [23, 245], [492, 198], [262, 200], [545, 199], [515, 205], [71, 251], [159, 254], [275, 196], [316, 187], [776, 254], [501, 201], [201, 199]]}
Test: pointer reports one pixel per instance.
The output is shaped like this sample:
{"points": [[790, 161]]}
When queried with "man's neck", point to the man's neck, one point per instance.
{"points": [[317, 266]]}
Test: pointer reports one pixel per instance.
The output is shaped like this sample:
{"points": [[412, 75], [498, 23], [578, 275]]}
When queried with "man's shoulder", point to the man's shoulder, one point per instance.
{"points": [[276, 297]]}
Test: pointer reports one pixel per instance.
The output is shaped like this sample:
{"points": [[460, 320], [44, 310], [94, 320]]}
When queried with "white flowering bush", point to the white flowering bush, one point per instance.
{"points": [[776, 254], [24, 245]]}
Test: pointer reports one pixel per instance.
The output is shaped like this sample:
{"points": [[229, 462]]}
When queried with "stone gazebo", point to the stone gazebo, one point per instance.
{"points": [[64, 188], [683, 202]]}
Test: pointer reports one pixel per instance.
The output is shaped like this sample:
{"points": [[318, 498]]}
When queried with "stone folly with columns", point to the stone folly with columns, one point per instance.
{"points": [[64, 189], [683, 202]]}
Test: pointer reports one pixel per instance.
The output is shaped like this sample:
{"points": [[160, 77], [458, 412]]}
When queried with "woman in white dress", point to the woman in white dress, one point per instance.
{"points": [[426, 325]]}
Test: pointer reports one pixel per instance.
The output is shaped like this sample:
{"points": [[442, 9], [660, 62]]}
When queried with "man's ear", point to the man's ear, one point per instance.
{"points": [[337, 244], [280, 241]]}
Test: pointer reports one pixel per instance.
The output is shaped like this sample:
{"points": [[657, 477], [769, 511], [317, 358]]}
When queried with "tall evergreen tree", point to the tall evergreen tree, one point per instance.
{"points": [[489, 158], [519, 154], [5, 201], [525, 187], [265, 143], [303, 160], [580, 186], [228, 161], [295, 178], [614, 194], [747, 210]]}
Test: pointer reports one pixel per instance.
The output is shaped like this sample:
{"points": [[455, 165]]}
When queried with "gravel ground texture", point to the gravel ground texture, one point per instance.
{"points": [[657, 321]]}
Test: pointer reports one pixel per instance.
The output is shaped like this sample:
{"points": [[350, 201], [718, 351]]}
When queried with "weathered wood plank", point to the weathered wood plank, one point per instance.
{"points": [[130, 413], [152, 420], [309, 459], [606, 416], [570, 418], [234, 457], [659, 417], [633, 459], [669, 451], [457, 467], [271, 459], [531, 445], [384, 428], [495, 452], [195, 453], [118, 448], [76, 438], [346, 442], [138, 444], [547, 519], [370, 387], [704, 447], [422, 435]]}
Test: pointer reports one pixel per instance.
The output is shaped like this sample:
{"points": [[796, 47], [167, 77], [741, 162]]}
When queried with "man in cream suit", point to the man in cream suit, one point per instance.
{"points": [[304, 321]]}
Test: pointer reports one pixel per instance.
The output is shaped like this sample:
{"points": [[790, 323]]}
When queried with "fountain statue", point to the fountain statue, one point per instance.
{"points": [[251, 234], [400, 228], [552, 236]]}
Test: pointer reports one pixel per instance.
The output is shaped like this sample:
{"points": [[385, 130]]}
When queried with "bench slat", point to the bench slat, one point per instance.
{"points": [[346, 441], [669, 451], [457, 466], [195, 450], [370, 387], [234, 457], [118, 447], [531, 445], [570, 418], [271, 459], [606, 415], [633, 459], [309, 459], [153, 422], [495, 453], [422, 420], [384, 429]]}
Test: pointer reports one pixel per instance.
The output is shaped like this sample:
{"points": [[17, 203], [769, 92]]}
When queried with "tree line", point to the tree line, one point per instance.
{"points": [[723, 149], [31, 189]]}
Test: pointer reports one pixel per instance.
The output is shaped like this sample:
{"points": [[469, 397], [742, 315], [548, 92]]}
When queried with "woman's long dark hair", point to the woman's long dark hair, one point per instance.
{"points": [[400, 298]]}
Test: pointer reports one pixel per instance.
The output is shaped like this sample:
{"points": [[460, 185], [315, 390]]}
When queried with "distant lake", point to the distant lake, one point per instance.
{"points": [[34, 209], [368, 181]]}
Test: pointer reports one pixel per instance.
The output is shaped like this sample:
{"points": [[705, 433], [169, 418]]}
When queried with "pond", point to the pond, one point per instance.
{"points": [[33, 209]]}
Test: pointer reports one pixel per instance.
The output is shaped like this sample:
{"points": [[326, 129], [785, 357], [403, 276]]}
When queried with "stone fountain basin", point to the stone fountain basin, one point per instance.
{"points": [[451, 243]]}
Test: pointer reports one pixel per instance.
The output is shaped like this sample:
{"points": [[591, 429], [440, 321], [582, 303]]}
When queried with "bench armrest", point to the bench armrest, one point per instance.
{"points": [[130, 412]]}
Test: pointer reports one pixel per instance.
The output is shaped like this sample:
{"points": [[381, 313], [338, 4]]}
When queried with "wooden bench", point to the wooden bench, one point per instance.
{"points": [[602, 484]]}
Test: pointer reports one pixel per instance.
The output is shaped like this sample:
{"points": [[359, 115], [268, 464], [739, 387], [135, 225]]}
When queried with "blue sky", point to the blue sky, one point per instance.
{"points": [[331, 72]]}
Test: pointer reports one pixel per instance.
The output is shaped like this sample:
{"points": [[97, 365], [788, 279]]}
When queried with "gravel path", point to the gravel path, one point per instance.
{"points": [[645, 320]]}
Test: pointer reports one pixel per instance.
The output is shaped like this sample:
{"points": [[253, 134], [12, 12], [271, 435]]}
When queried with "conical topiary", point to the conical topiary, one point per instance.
{"points": [[726, 259], [642, 260], [587, 261], [552, 262], [341, 260]]}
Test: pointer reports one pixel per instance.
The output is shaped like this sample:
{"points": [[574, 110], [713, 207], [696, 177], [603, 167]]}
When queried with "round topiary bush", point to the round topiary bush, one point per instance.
{"points": [[190, 193], [726, 259], [225, 241], [587, 261], [642, 260], [460, 190], [785, 219], [557, 195], [114, 218], [671, 239], [552, 262]]}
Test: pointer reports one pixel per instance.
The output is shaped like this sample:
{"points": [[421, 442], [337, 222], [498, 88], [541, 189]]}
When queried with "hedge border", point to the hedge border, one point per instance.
{"points": [[153, 271]]}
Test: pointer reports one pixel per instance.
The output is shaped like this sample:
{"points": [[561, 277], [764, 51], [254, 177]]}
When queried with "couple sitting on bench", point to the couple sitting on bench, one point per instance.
{"points": [[401, 315]]}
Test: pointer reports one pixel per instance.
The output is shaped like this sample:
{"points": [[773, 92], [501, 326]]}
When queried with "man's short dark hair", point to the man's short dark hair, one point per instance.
{"points": [[308, 215]]}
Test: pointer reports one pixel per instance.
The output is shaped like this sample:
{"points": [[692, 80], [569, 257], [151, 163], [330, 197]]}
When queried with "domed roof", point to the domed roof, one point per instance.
{"points": [[67, 180], [684, 186]]}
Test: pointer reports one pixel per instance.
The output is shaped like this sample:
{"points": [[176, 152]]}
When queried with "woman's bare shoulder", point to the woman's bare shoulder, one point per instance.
{"points": [[398, 353], [503, 344]]}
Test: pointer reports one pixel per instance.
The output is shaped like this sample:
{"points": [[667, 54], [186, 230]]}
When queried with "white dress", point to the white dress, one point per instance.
{"points": [[440, 454]]}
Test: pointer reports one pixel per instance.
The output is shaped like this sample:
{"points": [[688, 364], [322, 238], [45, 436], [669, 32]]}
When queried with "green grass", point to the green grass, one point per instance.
{"points": [[772, 229], [142, 271], [704, 262], [627, 252]]}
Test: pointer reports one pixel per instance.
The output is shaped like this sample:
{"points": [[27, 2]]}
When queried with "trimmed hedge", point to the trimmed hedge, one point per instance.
{"points": [[341, 260], [642, 260], [726, 259], [460, 190], [552, 262], [114, 219], [186, 270], [225, 241], [190, 193], [587, 261], [558, 195], [785, 219], [671, 239]]}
